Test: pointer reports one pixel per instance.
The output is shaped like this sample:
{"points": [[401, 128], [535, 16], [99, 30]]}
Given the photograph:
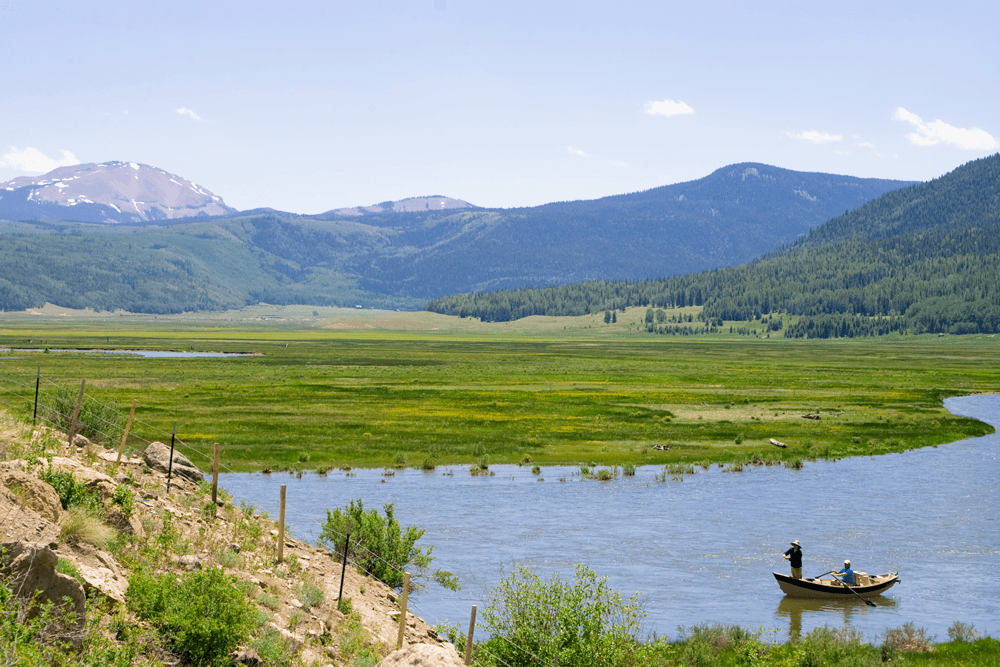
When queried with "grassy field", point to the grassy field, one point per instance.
{"points": [[331, 387]]}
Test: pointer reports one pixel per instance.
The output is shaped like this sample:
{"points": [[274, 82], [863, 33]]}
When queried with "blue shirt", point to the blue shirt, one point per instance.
{"points": [[848, 575]]}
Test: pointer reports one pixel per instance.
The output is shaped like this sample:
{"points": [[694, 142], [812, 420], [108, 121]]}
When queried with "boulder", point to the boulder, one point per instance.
{"points": [[189, 562], [125, 525], [157, 457], [423, 655], [103, 581], [33, 493], [30, 569]]}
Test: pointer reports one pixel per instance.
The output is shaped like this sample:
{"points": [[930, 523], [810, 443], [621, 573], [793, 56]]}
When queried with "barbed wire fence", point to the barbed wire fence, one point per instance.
{"points": [[42, 396]]}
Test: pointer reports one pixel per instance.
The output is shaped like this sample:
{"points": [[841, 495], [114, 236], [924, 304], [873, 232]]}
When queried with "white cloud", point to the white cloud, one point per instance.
{"points": [[33, 160], [815, 137], [576, 151], [668, 108], [866, 144], [618, 164], [184, 111], [938, 131]]}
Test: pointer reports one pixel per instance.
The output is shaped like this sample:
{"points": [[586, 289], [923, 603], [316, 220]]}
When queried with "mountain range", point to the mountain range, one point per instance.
{"points": [[182, 248], [920, 259]]}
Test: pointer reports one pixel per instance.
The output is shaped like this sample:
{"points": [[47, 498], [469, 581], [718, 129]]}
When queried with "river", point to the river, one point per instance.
{"points": [[702, 550]]}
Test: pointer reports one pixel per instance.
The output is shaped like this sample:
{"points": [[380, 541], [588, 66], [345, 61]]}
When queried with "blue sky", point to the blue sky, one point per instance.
{"points": [[307, 106]]}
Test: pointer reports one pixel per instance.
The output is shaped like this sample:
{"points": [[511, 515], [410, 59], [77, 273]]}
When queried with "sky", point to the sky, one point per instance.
{"points": [[310, 106]]}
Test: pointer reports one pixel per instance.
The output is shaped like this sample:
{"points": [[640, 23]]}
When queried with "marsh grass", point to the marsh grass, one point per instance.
{"points": [[369, 400]]}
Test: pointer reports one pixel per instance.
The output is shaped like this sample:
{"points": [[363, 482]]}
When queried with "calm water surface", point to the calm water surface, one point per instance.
{"points": [[702, 550], [148, 354]]}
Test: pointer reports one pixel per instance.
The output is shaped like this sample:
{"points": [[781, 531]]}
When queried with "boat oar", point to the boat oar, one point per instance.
{"points": [[867, 602]]}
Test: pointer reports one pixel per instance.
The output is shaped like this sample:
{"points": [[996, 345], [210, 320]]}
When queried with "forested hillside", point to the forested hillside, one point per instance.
{"points": [[191, 267], [922, 259], [399, 259]]}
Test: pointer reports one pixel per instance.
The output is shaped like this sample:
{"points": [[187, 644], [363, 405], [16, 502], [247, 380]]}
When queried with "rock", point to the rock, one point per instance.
{"points": [[423, 655], [125, 525], [247, 656], [33, 493], [189, 562], [30, 568], [104, 581], [157, 457], [81, 441], [292, 642]]}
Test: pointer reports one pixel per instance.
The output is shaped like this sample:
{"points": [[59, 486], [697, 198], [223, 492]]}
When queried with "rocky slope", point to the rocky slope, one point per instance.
{"points": [[37, 532], [110, 192]]}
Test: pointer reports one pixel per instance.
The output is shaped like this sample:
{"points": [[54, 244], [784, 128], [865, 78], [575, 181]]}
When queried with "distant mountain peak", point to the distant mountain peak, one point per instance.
{"points": [[408, 205], [111, 192]]}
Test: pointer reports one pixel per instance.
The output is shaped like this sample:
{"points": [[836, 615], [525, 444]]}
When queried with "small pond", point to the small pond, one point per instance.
{"points": [[702, 550], [147, 354]]}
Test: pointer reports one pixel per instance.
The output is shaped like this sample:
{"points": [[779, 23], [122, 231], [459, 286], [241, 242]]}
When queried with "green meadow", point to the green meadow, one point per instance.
{"points": [[333, 388]]}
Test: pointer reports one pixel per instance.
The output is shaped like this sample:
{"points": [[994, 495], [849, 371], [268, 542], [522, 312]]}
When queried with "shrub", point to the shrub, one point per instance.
{"points": [[378, 544], [581, 622], [203, 618], [907, 639], [274, 649], [962, 632], [310, 595], [71, 492], [125, 499]]}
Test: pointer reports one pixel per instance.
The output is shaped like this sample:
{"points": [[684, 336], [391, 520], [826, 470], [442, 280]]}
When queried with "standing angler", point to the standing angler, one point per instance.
{"points": [[794, 555]]}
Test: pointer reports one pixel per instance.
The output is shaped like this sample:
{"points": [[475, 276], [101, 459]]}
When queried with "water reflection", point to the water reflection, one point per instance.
{"points": [[792, 610]]}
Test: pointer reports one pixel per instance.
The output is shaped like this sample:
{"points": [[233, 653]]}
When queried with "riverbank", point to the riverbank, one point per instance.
{"points": [[107, 525]]}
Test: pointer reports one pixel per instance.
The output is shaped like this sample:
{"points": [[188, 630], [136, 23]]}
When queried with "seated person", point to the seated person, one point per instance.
{"points": [[847, 574]]}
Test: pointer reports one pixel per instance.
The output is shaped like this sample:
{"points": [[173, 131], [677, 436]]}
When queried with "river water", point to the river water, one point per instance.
{"points": [[702, 550]]}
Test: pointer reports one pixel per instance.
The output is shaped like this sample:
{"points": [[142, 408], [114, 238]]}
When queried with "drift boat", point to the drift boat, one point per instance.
{"points": [[867, 586]]}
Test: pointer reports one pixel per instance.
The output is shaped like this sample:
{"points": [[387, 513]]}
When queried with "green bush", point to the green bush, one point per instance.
{"points": [[203, 618], [274, 650], [71, 492], [310, 595], [581, 622], [378, 545], [125, 499]]}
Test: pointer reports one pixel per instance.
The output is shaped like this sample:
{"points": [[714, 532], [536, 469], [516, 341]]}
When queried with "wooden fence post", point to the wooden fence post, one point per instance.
{"points": [[468, 640], [128, 427], [402, 610], [76, 413], [215, 476], [281, 526]]}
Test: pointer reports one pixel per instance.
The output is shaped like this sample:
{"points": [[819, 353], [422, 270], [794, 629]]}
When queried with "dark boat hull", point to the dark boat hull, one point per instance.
{"points": [[824, 588]]}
